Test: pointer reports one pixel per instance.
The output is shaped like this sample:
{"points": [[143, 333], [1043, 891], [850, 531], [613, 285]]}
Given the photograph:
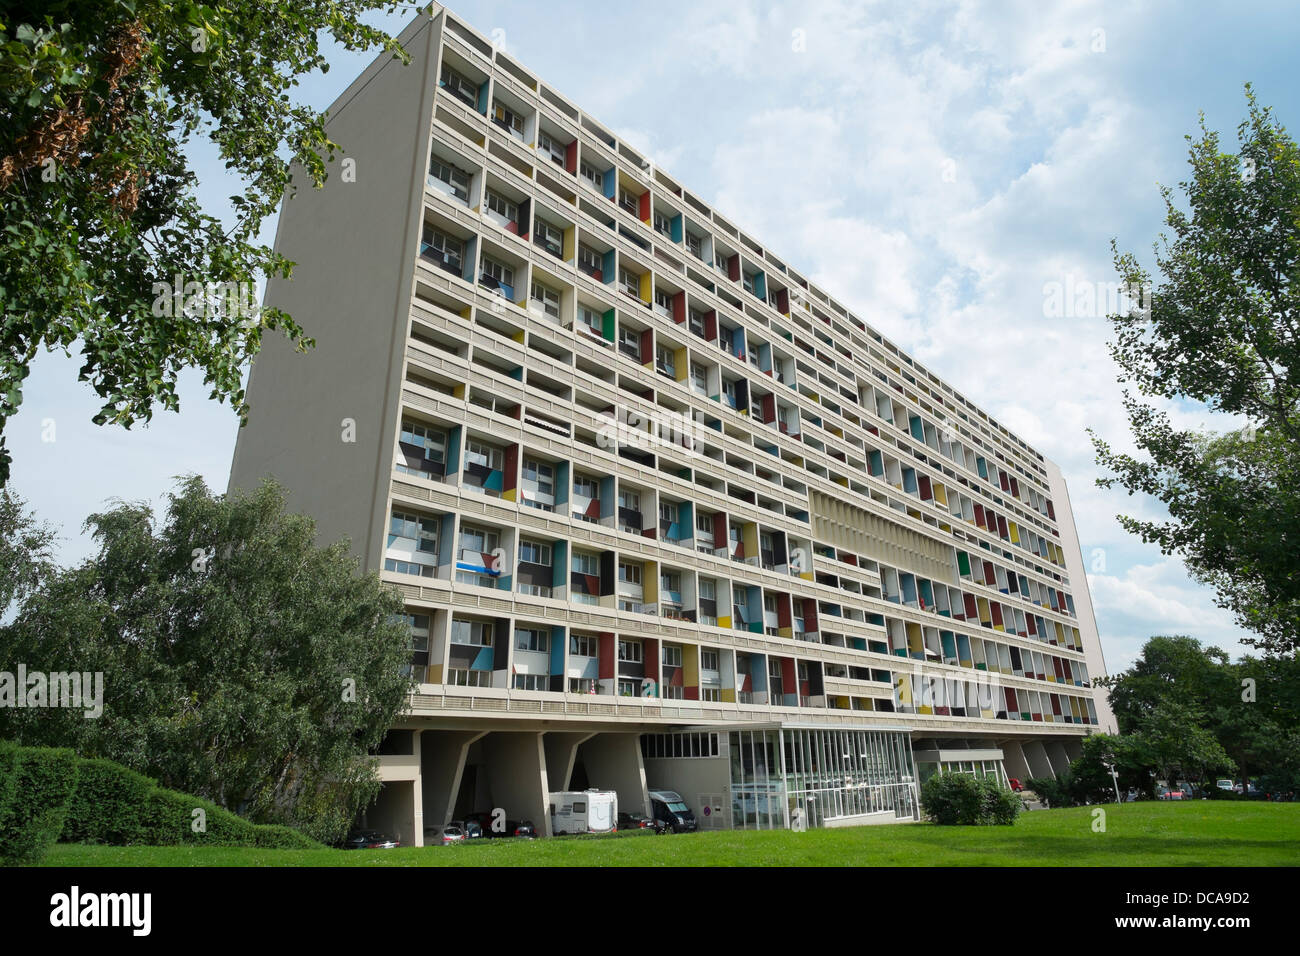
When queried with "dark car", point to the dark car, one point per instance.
{"points": [[472, 829], [519, 828], [634, 821], [369, 840], [671, 811]]}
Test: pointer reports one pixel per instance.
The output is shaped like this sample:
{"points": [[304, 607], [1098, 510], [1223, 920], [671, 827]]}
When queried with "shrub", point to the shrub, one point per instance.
{"points": [[957, 799], [1054, 793], [109, 805], [38, 785]]}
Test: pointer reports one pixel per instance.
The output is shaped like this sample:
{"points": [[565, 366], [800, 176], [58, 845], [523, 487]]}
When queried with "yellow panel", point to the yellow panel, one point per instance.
{"points": [[728, 695], [646, 287], [519, 336], [683, 367], [725, 621], [941, 494], [690, 666], [435, 673], [570, 244]]}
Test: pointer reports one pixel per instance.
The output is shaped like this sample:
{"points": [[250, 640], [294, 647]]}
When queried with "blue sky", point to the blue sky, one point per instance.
{"points": [[934, 165]]}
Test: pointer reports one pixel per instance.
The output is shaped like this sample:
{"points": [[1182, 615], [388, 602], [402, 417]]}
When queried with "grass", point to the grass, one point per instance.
{"points": [[1196, 833]]}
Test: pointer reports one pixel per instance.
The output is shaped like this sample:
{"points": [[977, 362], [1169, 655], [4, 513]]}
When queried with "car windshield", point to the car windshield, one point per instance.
{"points": [[678, 808]]}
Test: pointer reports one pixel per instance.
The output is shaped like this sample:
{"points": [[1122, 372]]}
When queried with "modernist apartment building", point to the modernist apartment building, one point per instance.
{"points": [[664, 513]]}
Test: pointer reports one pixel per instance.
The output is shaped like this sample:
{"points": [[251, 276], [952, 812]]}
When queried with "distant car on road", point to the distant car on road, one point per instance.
{"points": [[1168, 794], [1227, 785], [634, 821]]}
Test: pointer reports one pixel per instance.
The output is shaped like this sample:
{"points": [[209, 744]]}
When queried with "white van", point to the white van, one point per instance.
{"points": [[587, 811]]}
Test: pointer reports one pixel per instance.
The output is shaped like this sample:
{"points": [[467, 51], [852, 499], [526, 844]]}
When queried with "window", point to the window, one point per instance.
{"points": [[590, 319], [629, 574], [477, 549], [549, 237], [673, 693], [433, 441], [630, 651], [720, 261], [502, 206], [541, 474], [695, 319], [665, 361], [774, 678], [588, 564], [752, 351], [580, 645], [704, 523], [628, 688], [500, 274], [547, 144], [531, 682], [508, 119], [672, 656], [699, 378], [729, 390], [709, 660], [473, 633], [590, 261], [628, 201], [458, 677], [664, 302], [478, 453], [459, 86], [589, 173], [532, 639], [582, 685], [747, 282], [724, 338], [544, 300], [708, 589], [447, 250], [769, 603], [667, 513], [670, 582], [629, 342], [534, 552], [630, 500], [419, 666], [663, 224], [711, 694], [456, 179], [695, 244], [629, 282]]}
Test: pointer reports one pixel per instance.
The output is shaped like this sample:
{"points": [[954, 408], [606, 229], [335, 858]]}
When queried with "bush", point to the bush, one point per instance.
{"points": [[1053, 792], [38, 783], [957, 799], [109, 805]]}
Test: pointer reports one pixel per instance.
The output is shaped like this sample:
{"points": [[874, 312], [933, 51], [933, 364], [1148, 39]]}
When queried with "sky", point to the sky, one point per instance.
{"points": [[941, 168]]}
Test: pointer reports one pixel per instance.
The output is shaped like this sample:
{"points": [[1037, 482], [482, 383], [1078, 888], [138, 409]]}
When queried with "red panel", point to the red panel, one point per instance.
{"points": [[783, 616], [711, 326], [1003, 480], [979, 516], [972, 611], [650, 652], [644, 205], [647, 345], [1051, 512], [996, 609], [788, 674], [733, 268], [511, 480], [1015, 487], [608, 658], [1029, 622], [990, 578], [1002, 527], [720, 531], [571, 157], [810, 614], [679, 307], [1010, 695], [924, 483], [783, 301], [768, 405]]}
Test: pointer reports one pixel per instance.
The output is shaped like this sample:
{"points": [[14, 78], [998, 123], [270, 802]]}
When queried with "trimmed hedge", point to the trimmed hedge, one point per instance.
{"points": [[107, 805], [36, 786], [48, 795], [959, 799]]}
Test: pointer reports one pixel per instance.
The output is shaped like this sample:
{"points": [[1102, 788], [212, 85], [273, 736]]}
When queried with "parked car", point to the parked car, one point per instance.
{"points": [[1015, 784], [369, 840], [1168, 794], [634, 821], [670, 809], [444, 836], [1225, 785], [519, 828], [472, 829]]}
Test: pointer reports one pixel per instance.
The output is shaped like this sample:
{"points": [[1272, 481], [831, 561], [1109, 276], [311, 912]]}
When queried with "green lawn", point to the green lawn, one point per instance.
{"points": [[1142, 834]]}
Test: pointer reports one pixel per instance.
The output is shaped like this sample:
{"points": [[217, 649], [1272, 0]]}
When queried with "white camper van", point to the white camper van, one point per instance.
{"points": [[588, 811]]}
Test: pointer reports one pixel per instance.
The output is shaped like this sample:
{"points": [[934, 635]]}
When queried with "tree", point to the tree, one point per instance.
{"points": [[1222, 329], [1170, 667], [240, 662], [26, 549], [99, 218], [1178, 746]]}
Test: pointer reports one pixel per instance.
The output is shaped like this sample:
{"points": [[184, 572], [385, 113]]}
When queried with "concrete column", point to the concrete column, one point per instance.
{"points": [[442, 762], [1056, 754], [417, 791], [1013, 757], [1036, 756], [561, 753], [613, 762], [1073, 748], [516, 763]]}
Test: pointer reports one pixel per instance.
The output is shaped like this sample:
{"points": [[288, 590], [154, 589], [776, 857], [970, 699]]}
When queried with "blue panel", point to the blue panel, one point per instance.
{"points": [[482, 660], [471, 259], [676, 227], [760, 286], [483, 98], [557, 649], [453, 449], [607, 268], [610, 182]]}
